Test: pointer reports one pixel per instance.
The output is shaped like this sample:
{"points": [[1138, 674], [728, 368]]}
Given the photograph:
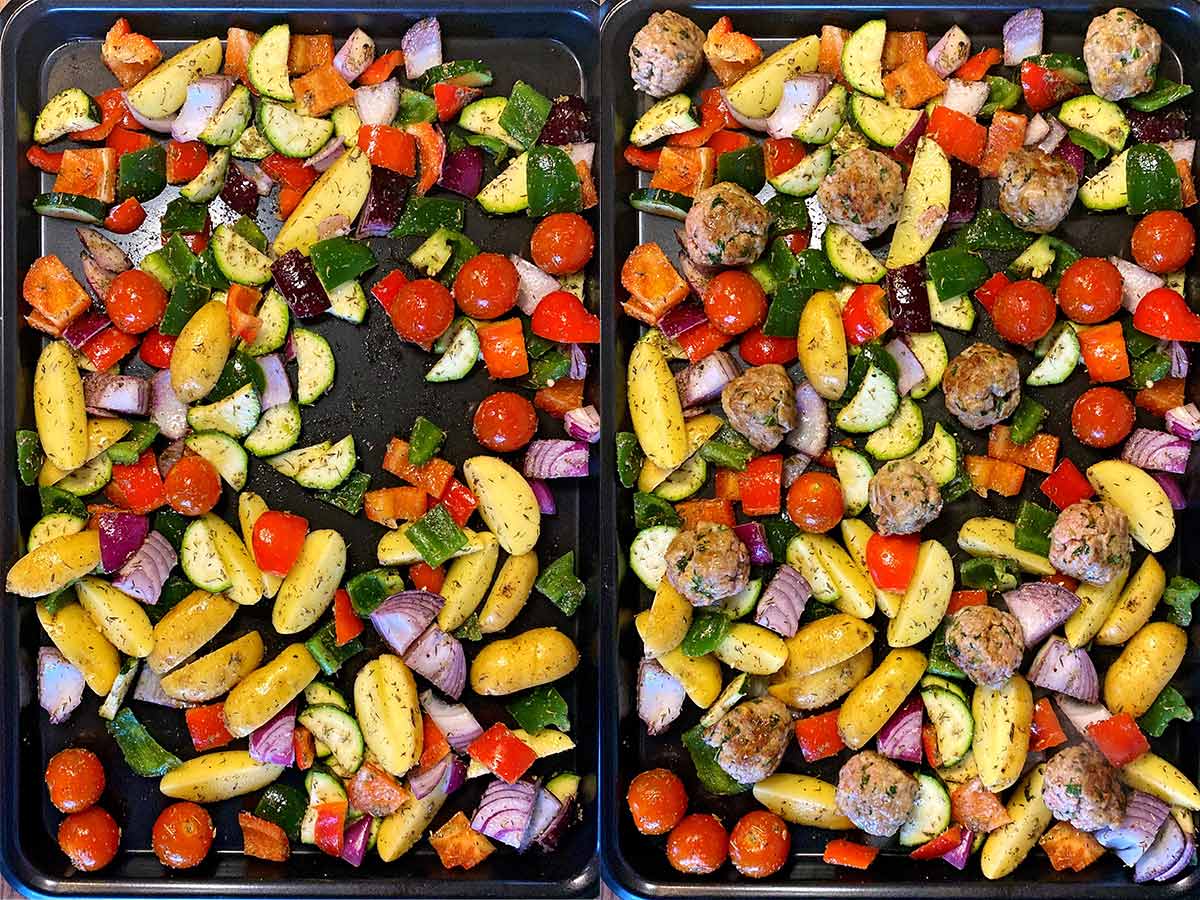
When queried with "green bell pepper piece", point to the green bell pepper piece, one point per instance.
{"points": [[955, 271], [708, 629], [713, 778], [341, 259], [135, 443], [1152, 179], [991, 573], [992, 230], [743, 167], [143, 754], [424, 441], [1002, 94], [348, 496], [1168, 706], [423, 216], [56, 500], [1026, 420], [540, 708], [436, 536], [1164, 93], [629, 458], [1033, 528], [369, 589], [727, 449], [559, 584], [331, 656], [650, 510], [525, 114], [29, 456], [553, 183], [1179, 596]]}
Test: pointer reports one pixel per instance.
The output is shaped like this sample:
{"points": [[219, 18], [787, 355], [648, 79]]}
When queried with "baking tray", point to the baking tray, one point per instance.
{"points": [[637, 865], [47, 45]]}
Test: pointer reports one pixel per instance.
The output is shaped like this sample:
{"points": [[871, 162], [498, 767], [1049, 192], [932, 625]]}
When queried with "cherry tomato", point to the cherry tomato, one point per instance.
{"points": [[562, 243], [734, 302], [657, 801], [698, 845], [486, 286], [193, 486], [1024, 311], [760, 349], [156, 349], [183, 835], [505, 422], [135, 301], [1102, 417], [75, 778], [759, 844], [89, 838], [1090, 290], [1163, 241], [422, 311], [815, 502], [277, 540]]}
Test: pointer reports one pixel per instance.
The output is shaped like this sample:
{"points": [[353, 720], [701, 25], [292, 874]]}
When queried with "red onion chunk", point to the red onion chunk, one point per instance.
{"points": [[1022, 36], [660, 696], [950, 52], [966, 97], [121, 535], [907, 148], [569, 122], [1070, 151], [900, 738], [583, 424], [908, 299], [60, 685], [1036, 129], [149, 689], [1186, 858], [297, 280], [783, 602], [462, 171], [279, 389], [122, 394], [811, 436], [272, 742], [99, 279], [1055, 135], [754, 124], [454, 720], [912, 372], [1159, 451], [401, 618], [1184, 421], [1164, 855], [424, 782], [1132, 836], [354, 56], [800, 95], [86, 327], [169, 455], [1081, 714], [1040, 607], [105, 252], [355, 839], [336, 225], [144, 574], [440, 658], [1058, 667], [698, 278], [545, 497], [702, 382], [754, 536], [239, 192], [579, 362], [504, 811], [1180, 358], [204, 97], [793, 467], [328, 154], [385, 200], [377, 104], [166, 410], [568, 813], [556, 459], [964, 193], [422, 46], [546, 811], [262, 181], [1171, 488], [961, 855], [162, 126], [681, 319], [533, 284], [1136, 282]]}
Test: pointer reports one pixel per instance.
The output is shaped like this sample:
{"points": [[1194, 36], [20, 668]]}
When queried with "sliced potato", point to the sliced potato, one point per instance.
{"points": [[654, 407], [820, 689], [385, 700], [758, 92], [535, 657], [802, 800], [507, 504], [246, 581], [665, 624], [467, 581], [101, 434], [856, 593], [1007, 846], [309, 587], [989, 536], [510, 592], [187, 627], [216, 673], [268, 689], [58, 407], [752, 649], [699, 675], [821, 342], [1096, 602], [201, 351], [162, 92], [1140, 497], [395, 549], [699, 429], [827, 642], [341, 191], [927, 598], [214, 777], [399, 832], [54, 564], [1137, 601], [855, 535], [119, 617], [1003, 717], [874, 699], [1146, 666], [76, 636], [1155, 776]]}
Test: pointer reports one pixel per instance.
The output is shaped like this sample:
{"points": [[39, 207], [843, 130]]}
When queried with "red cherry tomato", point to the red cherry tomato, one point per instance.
{"points": [[422, 311], [156, 349], [760, 349], [1090, 290], [135, 301], [698, 845], [657, 801], [182, 836], [1102, 417], [126, 217], [75, 778], [1024, 311], [193, 486], [1163, 241], [562, 243], [734, 302], [759, 844], [892, 559], [815, 502], [89, 838], [277, 540], [505, 422], [486, 286]]}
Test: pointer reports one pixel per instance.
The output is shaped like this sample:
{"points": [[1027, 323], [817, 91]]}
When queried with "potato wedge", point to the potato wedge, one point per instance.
{"points": [[250, 507], [162, 92], [805, 557], [802, 800], [309, 587], [385, 699], [1003, 717], [855, 535], [187, 627], [1007, 846], [1096, 603], [395, 549], [119, 617], [216, 673], [989, 536], [699, 429], [752, 649], [1140, 497], [76, 636], [538, 656], [821, 343], [758, 92], [399, 832], [827, 642], [58, 407], [1157, 777], [654, 407], [101, 434], [506, 503], [665, 624], [806, 692], [246, 581], [268, 689], [467, 580], [874, 699], [1137, 601], [1144, 668], [699, 675], [510, 592], [214, 777], [856, 593], [341, 191], [54, 564], [200, 352], [928, 595]]}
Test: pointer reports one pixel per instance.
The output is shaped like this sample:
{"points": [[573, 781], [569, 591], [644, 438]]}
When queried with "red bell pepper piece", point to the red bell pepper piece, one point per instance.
{"points": [[502, 753], [841, 852], [1119, 739], [503, 347], [864, 316], [1164, 314], [156, 348], [383, 67], [987, 292], [964, 598], [241, 303], [43, 159], [781, 154], [262, 839], [391, 148], [139, 486], [892, 560], [386, 289], [289, 172], [646, 160], [451, 98], [1066, 485], [929, 744], [818, 736], [1044, 88], [206, 725], [125, 140], [185, 160], [425, 577], [693, 512], [713, 118], [331, 826], [1005, 134], [1063, 581], [702, 341], [432, 149], [975, 68], [760, 485], [126, 217], [112, 113], [434, 745], [797, 240], [726, 141], [1045, 731], [129, 56], [940, 845], [959, 135], [560, 398], [346, 623], [725, 485], [433, 475], [1104, 354], [562, 317], [459, 502], [108, 348], [305, 746]]}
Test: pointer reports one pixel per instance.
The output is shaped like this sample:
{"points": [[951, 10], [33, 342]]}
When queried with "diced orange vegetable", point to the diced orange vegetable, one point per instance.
{"points": [[987, 474], [1187, 184], [90, 172], [383, 67], [307, 51], [841, 852], [730, 53], [726, 141], [1104, 354], [262, 839], [1040, 453], [238, 44], [390, 506], [1006, 134], [458, 845], [242, 302], [829, 56], [1164, 394], [818, 736], [1045, 731], [960, 136], [975, 68], [727, 485], [128, 55], [646, 160], [502, 346], [654, 286], [1070, 848], [975, 807], [52, 291], [320, 91], [432, 475], [901, 46], [587, 187], [693, 512], [561, 397], [685, 170], [289, 199], [913, 84], [964, 598], [434, 746], [701, 341]]}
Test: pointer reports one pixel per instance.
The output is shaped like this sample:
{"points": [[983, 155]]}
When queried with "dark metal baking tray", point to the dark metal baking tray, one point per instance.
{"points": [[47, 45], [636, 865]]}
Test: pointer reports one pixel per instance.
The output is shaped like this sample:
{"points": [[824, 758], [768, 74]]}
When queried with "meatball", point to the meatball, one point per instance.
{"points": [[1121, 52], [1082, 788], [904, 497], [986, 643], [751, 739], [726, 226], [875, 793], [1037, 189], [1090, 541], [761, 404], [982, 386], [862, 192], [708, 564], [666, 54]]}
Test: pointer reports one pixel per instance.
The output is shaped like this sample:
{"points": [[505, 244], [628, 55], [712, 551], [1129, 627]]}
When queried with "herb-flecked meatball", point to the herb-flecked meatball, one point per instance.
{"points": [[1037, 189], [726, 226], [1090, 541], [875, 793], [982, 386], [1082, 788], [708, 563], [904, 497], [1121, 52], [761, 404], [751, 739], [666, 53], [986, 643], [862, 192]]}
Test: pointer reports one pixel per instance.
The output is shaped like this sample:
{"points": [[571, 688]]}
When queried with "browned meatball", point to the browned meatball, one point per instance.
{"points": [[862, 192], [1082, 788], [986, 643], [875, 793], [761, 404], [904, 497], [708, 564], [1037, 189], [726, 226], [1090, 541], [751, 739], [666, 54], [982, 386], [1121, 52]]}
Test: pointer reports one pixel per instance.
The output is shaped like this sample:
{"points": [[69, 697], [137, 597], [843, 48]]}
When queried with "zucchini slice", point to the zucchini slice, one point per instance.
{"points": [[277, 431], [267, 64], [648, 553], [225, 454], [205, 186], [872, 407], [854, 472], [291, 133], [238, 259], [198, 556], [862, 58], [236, 415], [672, 115], [901, 436], [67, 111], [274, 315], [315, 365]]}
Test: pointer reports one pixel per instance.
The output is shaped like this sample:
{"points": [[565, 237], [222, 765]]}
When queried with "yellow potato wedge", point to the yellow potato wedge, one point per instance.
{"points": [[341, 191], [820, 689], [508, 595], [1003, 717], [665, 624], [101, 434], [699, 675], [805, 557], [1140, 497], [699, 430], [54, 564], [246, 581], [1096, 603], [385, 699], [1137, 601], [250, 507], [802, 800], [821, 343], [654, 407], [927, 598], [1157, 777], [547, 742], [58, 407], [1007, 846], [162, 92], [76, 636], [309, 587], [1144, 668], [758, 92], [268, 689], [399, 832], [752, 649], [535, 657], [187, 627], [827, 642], [856, 593], [874, 699], [200, 352], [989, 536], [855, 535], [119, 617], [467, 581], [214, 777], [506, 503], [216, 673]]}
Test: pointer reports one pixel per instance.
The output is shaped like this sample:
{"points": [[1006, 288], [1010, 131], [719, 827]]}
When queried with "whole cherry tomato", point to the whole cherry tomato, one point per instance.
{"points": [[698, 845], [89, 838], [193, 486], [759, 844], [1090, 290], [486, 286], [277, 540], [1102, 417], [75, 778], [157, 348], [422, 311], [760, 349], [1024, 311], [657, 801], [504, 422], [562, 243], [1163, 241], [734, 302], [135, 301], [815, 502], [182, 835]]}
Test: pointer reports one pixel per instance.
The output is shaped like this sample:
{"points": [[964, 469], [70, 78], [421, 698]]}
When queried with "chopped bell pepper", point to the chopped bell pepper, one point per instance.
{"points": [[818, 736], [865, 316], [126, 217], [44, 160], [502, 345], [112, 113], [289, 172], [426, 577], [975, 68], [1164, 314], [964, 598], [940, 845], [436, 536], [434, 476], [959, 135], [304, 745], [459, 502], [841, 852], [987, 292], [434, 745], [458, 845], [128, 55], [562, 317], [654, 285], [391, 505], [502, 753], [388, 147], [432, 149], [726, 485], [560, 398], [108, 348], [913, 84], [262, 839], [451, 98], [1104, 353], [1039, 453], [1004, 135], [206, 725], [1045, 732], [702, 341], [646, 160], [383, 67], [185, 160], [1044, 88], [1069, 848], [693, 512], [330, 826], [347, 625], [1066, 485], [1119, 739]]}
